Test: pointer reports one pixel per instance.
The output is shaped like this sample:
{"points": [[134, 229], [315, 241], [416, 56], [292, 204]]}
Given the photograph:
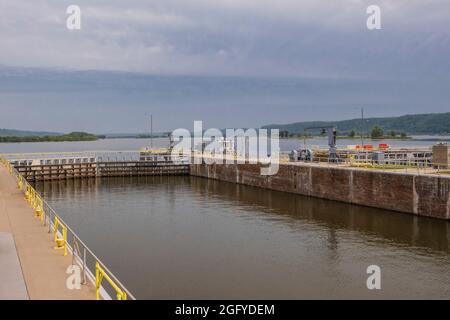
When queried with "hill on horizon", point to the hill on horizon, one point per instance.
{"points": [[430, 123], [26, 133]]}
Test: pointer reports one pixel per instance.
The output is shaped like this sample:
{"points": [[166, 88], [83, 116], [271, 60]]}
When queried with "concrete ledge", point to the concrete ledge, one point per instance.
{"points": [[425, 195]]}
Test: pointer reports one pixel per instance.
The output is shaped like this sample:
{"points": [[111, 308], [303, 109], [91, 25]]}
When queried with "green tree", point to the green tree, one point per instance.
{"points": [[352, 134], [393, 134], [73, 136], [377, 132], [403, 135]]}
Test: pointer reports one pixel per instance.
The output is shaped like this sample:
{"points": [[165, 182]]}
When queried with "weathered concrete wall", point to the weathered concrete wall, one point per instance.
{"points": [[424, 195]]}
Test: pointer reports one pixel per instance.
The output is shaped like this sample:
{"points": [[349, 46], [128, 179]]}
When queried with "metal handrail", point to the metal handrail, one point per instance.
{"points": [[48, 215], [110, 156], [90, 152]]}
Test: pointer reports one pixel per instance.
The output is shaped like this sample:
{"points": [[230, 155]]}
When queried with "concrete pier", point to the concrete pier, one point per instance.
{"points": [[31, 267]]}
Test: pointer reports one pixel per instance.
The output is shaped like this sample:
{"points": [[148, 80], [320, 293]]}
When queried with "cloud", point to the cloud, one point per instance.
{"points": [[315, 38]]}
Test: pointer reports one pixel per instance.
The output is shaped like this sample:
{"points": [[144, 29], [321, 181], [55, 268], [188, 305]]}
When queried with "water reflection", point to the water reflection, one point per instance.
{"points": [[190, 237], [397, 228]]}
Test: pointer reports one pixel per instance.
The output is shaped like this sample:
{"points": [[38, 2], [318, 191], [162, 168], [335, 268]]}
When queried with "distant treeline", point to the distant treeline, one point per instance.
{"points": [[432, 123], [73, 136], [147, 136], [377, 132], [25, 133]]}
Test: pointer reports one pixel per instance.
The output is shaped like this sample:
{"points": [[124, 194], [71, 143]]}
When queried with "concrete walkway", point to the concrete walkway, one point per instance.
{"points": [[12, 283], [42, 269]]}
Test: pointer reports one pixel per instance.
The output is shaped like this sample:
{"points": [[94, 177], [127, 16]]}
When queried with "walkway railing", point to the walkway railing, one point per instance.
{"points": [[418, 166], [67, 240], [107, 156]]}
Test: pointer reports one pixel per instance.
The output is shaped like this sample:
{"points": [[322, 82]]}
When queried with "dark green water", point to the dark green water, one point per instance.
{"points": [[188, 238]]}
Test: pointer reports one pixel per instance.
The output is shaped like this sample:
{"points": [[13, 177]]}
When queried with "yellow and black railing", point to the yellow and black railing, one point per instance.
{"points": [[64, 237]]}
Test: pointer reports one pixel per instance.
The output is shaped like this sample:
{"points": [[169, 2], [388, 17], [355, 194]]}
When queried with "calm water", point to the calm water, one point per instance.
{"points": [[136, 144], [189, 238]]}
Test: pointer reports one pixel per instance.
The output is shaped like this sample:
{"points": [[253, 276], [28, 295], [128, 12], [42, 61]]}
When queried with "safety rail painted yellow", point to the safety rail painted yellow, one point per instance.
{"points": [[32, 197], [99, 275], [61, 231], [61, 241]]}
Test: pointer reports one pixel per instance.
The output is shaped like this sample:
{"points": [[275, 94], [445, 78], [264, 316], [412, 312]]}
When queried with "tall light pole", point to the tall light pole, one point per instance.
{"points": [[362, 126], [151, 129]]}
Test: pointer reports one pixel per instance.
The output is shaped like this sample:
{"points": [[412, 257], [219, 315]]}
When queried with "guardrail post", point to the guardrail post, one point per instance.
{"points": [[20, 183], [27, 193], [39, 210], [45, 217], [61, 243], [49, 223], [74, 247], [98, 280], [121, 296], [84, 265]]}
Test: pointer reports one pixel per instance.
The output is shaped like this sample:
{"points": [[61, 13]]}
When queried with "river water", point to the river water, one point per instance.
{"points": [[193, 238], [137, 144]]}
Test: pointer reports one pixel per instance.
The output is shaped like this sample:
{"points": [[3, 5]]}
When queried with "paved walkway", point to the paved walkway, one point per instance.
{"points": [[11, 279], [43, 269]]}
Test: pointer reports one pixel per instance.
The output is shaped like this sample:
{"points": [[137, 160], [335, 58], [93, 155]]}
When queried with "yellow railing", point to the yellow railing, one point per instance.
{"points": [[32, 197], [99, 275], [60, 230], [61, 242]]}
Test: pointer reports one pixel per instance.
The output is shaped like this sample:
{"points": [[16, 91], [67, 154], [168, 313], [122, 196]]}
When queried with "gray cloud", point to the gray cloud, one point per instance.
{"points": [[261, 61], [315, 38]]}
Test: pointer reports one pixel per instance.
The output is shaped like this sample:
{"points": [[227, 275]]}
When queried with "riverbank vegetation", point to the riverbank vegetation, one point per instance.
{"points": [[377, 133], [73, 136], [417, 124]]}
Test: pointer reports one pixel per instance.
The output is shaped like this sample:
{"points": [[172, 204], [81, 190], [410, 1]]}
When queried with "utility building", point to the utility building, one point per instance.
{"points": [[441, 155]]}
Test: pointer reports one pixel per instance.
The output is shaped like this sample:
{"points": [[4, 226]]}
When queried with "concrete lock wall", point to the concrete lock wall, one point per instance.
{"points": [[424, 195]]}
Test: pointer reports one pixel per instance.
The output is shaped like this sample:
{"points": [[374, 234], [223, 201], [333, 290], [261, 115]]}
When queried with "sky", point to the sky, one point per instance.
{"points": [[230, 63]]}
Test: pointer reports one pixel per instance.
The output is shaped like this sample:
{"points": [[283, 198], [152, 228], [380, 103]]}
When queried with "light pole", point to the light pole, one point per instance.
{"points": [[362, 126], [151, 129]]}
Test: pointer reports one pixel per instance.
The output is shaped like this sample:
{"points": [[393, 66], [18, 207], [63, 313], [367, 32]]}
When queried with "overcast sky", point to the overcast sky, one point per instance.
{"points": [[243, 62]]}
